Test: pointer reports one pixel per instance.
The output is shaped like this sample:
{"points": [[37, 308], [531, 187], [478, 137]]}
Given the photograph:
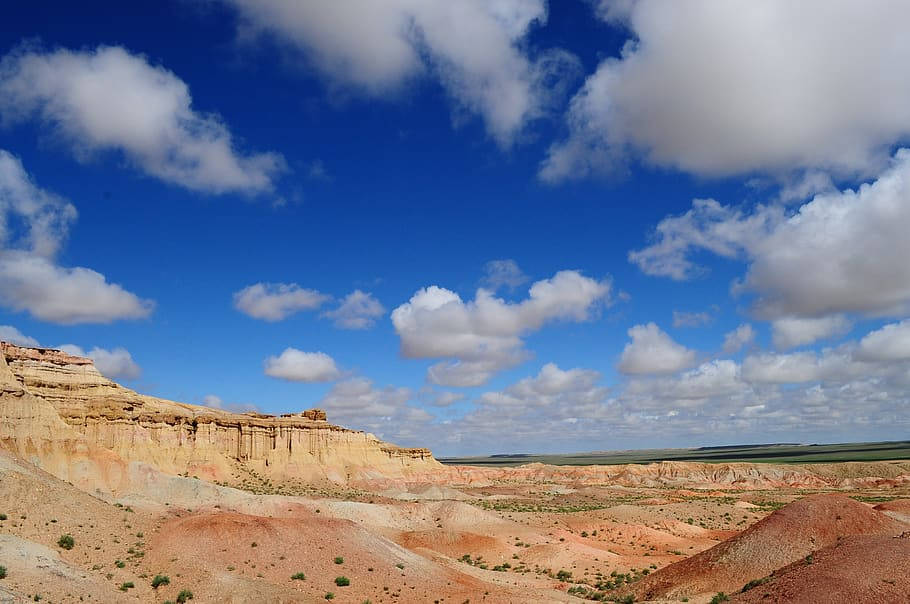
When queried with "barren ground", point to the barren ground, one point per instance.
{"points": [[500, 542]]}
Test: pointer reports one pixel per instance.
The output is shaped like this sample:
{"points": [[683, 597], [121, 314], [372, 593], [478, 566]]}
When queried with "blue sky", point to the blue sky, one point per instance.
{"points": [[186, 151]]}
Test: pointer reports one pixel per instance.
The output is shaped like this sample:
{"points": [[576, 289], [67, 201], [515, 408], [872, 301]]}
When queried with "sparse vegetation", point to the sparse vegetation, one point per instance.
{"points": [[126, 586], [160, 580], [329, 596], [184, 596], [298, 577], [66, 542], [342, 581], [720, 597], [754, 583]]}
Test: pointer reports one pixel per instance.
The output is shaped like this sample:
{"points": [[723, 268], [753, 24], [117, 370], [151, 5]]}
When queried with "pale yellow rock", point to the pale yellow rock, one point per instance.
{"points": [[59, 412]]}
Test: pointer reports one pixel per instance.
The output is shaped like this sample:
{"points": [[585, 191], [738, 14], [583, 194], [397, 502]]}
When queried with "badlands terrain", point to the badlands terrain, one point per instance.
{"points": [[108, 495]]}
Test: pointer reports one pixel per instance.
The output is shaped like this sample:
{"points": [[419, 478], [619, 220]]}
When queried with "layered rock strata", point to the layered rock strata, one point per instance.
{"points": [[52, 403]]}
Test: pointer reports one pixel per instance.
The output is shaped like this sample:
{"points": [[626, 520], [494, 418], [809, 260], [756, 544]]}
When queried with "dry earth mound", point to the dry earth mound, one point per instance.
{"points": [[898, 509], [787, 535], [856, 569]]}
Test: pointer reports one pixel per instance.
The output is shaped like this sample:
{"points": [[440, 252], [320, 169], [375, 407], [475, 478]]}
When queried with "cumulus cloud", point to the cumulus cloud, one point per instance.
{"points": [[34, 225], [803, 263], [652, 351], [277, 301], [890, 343], [503, 273], [484, 335], [735, 340], [357, 310], [721, 89], [64, 295], [10, 334], [115, 364], [109, 99], [440, 399], [474, 48], [552, 410], [386, 412], [298, 366], [789, 332], [836, 393], [691, 319]]}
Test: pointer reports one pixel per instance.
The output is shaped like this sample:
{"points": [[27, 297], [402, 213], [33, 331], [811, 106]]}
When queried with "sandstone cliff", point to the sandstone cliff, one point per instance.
{"points": [[59, 412]]}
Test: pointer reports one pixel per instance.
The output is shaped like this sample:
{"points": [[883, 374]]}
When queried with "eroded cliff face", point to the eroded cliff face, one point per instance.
{"points": [[53, 405]]}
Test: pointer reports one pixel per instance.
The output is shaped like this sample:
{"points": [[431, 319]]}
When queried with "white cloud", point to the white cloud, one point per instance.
{"points": [[44, 216], [10, 334], [212, 400], [33, 227], [108, 99], [803, 263], [115, 364], [652, 351], [551, 388], [277, 301], [64, 295], [789, 332], [357, 403], [441, 399], [890, 343], [691, 319], [484, 335], [850, 391], [503, 273], [735, 340], [474, 48], [298, 366], [790, 368], [721, 88], [358, 310], [720, 377]]}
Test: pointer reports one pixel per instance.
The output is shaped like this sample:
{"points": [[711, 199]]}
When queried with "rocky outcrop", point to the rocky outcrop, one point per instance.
{"points": [[52, 403]]}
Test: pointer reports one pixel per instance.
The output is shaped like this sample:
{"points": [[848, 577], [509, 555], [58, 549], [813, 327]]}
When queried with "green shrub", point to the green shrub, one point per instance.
{"points": [[2, 572], [2, 516], [160, 580], [329, 596], [298, 577], [400, 565], [720, 597], [342, 581], [126, 586], [184, 596], [66, 541], [339, 560], [754, 583], [564, 575]]}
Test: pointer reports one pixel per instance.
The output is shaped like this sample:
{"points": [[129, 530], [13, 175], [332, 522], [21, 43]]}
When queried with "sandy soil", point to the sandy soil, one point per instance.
{"points": [[506, 541]]}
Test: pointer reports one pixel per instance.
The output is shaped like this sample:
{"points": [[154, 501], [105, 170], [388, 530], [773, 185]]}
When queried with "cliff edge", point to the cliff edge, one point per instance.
{"points": [[57, 410]]}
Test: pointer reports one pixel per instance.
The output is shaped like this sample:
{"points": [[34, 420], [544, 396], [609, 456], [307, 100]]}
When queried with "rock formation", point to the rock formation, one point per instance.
{"points": [[59, 412]]}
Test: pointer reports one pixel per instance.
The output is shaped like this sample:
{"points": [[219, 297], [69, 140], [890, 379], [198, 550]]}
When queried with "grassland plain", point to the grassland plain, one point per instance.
{"points": [[778, 453]]}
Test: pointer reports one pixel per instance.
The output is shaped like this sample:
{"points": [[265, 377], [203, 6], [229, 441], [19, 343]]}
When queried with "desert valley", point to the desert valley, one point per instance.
{"points": [[108, 495]]}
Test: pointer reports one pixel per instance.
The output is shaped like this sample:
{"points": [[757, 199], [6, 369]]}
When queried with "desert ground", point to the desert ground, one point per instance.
{"points": [[109, 496]]}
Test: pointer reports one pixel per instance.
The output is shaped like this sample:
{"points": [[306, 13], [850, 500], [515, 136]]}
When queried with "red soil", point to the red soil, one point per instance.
{"points": [[857, 569], [787, 535]]}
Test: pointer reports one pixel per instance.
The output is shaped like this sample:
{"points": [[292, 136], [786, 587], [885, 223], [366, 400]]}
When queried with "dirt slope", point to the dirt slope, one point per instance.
{"points": [[857, 569], [787, 535]]}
